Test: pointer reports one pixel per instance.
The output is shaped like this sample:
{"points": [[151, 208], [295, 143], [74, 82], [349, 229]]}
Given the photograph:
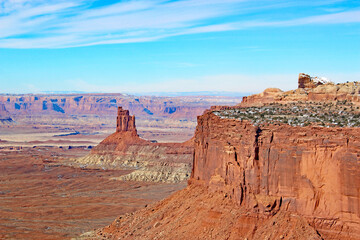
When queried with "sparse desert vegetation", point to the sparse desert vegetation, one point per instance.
{"points": [[325, 114]]}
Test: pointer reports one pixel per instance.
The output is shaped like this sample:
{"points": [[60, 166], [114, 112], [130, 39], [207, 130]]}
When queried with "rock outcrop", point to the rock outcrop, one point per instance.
{"points": [[309, 89], [311, 171], [305, 81], [124, 149], [125, 122]]}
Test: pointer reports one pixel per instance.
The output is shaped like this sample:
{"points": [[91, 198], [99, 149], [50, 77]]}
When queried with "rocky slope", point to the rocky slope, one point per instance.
{"points": [[196, 213], [151, 161]]}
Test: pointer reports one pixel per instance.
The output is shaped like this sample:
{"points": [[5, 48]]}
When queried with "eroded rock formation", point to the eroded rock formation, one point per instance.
{"points": [[311, 171], [309, 89], [124, 149], [305, 81], [125, 122]]}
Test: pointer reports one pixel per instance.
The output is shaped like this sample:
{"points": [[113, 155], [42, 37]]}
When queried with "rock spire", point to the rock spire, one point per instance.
{"points": [[125, 122]]}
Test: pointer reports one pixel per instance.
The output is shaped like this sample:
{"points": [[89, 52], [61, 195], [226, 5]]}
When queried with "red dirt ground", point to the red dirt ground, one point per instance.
{"points": [[41, 199]]}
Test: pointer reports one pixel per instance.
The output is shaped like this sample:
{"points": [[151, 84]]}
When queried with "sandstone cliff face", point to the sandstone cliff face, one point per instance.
{"points": [[310, 171], [124, 149]]}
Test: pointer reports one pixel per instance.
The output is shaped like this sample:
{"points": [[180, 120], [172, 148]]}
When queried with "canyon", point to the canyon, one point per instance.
{"points": [[278, 165], [264, 179]]}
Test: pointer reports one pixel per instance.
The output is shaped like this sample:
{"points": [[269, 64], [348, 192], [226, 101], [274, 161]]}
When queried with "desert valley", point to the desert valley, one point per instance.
{"points": [[278, 165], [52, 189]]}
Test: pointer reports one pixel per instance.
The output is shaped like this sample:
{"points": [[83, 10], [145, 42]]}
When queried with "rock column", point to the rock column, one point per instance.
{"points": [[125, 122]]}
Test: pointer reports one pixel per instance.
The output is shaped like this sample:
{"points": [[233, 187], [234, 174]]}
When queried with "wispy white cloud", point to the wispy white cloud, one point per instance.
{"points": [[71, 23], [333, 18]]}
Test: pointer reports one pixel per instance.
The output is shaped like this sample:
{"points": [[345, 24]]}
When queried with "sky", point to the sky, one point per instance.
{"points": [[175, 46]]}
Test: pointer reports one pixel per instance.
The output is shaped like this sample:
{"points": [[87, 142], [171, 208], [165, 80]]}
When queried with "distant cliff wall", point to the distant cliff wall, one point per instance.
{"points": [[106, 104]]}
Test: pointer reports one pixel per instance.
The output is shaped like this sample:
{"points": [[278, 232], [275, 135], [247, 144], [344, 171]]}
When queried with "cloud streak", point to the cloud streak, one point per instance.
{"points": [[73, 23]]}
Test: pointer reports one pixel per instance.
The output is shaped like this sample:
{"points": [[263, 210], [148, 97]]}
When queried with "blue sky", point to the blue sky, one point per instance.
{"points": [[175, 46]]}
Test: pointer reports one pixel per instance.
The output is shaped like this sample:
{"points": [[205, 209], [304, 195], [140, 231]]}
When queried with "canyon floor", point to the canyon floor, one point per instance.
{"points": [[42, 199]]}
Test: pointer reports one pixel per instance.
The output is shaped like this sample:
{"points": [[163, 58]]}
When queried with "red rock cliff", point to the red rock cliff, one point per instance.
{"points": [[311, 171]]}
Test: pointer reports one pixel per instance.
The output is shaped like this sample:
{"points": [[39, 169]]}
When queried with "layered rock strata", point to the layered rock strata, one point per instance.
{"points": [[124, 149], [311, 171]]}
